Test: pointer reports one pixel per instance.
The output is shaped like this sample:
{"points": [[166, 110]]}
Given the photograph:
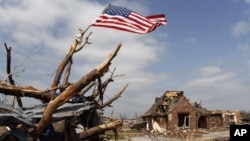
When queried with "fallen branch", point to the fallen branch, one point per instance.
{"points": [[99, 129], [25, 91]]}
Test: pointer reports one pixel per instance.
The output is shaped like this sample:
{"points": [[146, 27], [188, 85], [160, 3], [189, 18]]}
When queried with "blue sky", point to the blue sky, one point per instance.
{"points": [[203, 50]]}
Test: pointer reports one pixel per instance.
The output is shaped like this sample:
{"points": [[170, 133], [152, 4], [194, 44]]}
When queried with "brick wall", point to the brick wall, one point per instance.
{"points": [[183, 107]]}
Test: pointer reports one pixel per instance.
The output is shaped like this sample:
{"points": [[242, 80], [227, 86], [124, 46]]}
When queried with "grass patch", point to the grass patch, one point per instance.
{"points": [[130, 131]]}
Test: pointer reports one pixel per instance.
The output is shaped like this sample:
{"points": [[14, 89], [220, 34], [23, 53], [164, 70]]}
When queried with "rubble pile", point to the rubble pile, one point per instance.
{"points": [[180, 134]]}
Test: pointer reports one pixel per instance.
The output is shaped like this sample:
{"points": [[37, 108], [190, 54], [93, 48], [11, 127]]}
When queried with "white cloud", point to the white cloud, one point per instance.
{"points": [[209, 80], [241, 28], [216, 87], [247, 1], [210, 76], [52, 25], [210, 70]]}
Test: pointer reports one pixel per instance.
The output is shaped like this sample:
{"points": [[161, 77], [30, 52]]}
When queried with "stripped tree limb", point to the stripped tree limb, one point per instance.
{"points": [[100, 89], [99, 129], [8, 50], [66, 60], [114, 98], [83, 45], [87, 88], [25, 91], [96, 92], [104, 85], [66, 75], [73, 90], [20, 62], [12, 82]]}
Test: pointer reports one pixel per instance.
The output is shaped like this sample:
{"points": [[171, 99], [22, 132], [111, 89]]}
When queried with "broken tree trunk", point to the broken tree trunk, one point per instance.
{"points": [[73, 90], [9, 73], [26, 91], [99, 129]]}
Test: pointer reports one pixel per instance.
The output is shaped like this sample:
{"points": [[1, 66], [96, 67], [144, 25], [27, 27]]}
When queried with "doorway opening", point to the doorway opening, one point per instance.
{"points": [[183, 120]]}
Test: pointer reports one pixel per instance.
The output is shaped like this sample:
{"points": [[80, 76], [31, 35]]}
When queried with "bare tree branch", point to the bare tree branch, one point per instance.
{"points": [[100, 90], [12, 82], [86, 42], [66, 75], [73, 90], [87, 88], [20, 62], [65, 61], [114, 98], [98, 129], [26, 91], [104, 85]]}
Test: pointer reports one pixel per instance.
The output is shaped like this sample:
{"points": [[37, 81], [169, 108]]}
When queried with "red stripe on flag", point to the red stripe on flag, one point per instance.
{"points": [[128, 21]]}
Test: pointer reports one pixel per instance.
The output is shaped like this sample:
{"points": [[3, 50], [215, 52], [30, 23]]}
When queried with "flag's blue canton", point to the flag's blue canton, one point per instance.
{"points": [[117, 10]]}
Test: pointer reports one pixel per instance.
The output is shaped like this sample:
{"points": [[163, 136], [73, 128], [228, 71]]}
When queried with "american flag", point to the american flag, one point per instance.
{"points": [[121, 18]]}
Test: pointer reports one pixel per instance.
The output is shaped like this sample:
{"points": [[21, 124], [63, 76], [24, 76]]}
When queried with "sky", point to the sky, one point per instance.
{"points": [[204, 50]]}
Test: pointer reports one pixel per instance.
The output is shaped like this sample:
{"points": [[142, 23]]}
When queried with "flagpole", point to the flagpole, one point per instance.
{"points": [[87, 28], [83, 32], [80, 35], [102, 13]]}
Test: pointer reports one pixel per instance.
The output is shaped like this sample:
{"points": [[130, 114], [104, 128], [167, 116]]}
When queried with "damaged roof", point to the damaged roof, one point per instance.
{"points": [[169, 100], [11, 116], [166, 102]]}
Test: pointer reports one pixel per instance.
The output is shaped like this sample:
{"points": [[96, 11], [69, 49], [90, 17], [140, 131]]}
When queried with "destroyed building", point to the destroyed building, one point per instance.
{"points": [[174, 111]]}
